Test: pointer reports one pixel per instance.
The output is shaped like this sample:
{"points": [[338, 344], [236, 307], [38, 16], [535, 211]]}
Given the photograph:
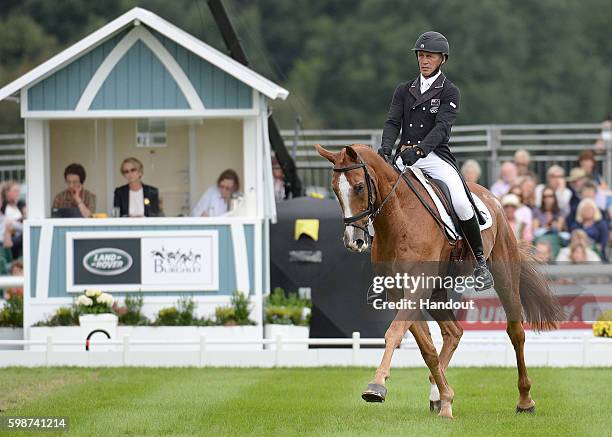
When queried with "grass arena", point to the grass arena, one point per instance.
{"points": [[323, 401]]}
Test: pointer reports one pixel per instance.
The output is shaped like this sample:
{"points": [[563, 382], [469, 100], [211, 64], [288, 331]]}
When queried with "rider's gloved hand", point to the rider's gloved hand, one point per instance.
{"points": [[385, 152], [411, 154]]}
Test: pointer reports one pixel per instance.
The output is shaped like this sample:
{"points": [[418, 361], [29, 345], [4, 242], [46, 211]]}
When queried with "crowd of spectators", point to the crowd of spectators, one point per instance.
{"points": [[566, 218]]}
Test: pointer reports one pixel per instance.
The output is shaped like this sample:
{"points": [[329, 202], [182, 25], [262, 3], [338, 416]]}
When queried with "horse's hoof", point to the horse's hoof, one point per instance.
{"points": [[446, 410], [520, 410], [434, 406], [374, 393]]}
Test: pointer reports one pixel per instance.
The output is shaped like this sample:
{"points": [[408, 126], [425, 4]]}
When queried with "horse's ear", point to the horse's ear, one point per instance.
{"points": [[351, 153], [330, 156]]}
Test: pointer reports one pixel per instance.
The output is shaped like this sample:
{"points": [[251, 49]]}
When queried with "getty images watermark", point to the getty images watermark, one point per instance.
{"points": [[412, 284]]}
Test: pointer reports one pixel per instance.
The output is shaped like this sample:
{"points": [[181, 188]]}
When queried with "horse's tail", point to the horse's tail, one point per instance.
{"points": [[542, 309]]}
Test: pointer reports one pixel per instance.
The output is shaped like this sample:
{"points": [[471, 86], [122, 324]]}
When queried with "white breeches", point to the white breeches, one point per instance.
{"points": [[438, 168]]}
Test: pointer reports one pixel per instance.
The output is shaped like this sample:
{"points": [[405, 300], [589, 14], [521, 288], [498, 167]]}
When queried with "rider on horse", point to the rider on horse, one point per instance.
{"points": [[425, 109]]}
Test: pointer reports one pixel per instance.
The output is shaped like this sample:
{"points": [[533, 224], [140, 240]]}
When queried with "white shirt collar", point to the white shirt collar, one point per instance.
{"points": [[427, 83]]}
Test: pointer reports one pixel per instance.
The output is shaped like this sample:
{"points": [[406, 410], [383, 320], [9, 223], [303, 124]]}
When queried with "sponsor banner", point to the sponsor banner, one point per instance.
{"points": [[106, 261], [142, 261], [581, 310], [178, 261]]}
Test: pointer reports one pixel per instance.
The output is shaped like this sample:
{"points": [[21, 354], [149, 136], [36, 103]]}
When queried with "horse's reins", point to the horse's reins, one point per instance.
{"points": [[372, 214]]}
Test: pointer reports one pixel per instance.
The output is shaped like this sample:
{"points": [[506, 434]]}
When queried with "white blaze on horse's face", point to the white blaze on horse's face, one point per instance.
{"points": [[354, 238]]}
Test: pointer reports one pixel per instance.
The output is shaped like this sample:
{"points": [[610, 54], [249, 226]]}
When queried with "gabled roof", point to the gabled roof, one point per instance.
{"points": [[215, 57]]}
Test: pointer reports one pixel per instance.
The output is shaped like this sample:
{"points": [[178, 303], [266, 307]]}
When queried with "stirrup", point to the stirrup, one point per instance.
{"points": [[483, 279]]}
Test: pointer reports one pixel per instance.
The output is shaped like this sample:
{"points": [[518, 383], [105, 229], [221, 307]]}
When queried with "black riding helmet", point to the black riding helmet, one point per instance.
{"points": [[433, 42]]}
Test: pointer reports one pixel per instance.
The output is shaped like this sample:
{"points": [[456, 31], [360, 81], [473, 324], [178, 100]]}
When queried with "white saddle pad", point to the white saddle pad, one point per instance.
{"points": [[442, 211]]}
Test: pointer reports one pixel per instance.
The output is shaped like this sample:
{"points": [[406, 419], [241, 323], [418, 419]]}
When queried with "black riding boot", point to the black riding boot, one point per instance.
{"points": [[482, 276]]}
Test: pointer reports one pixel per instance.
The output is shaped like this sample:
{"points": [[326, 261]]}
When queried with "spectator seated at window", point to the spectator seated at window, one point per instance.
{"points": [[522, 230], [578, 237], [75, 196], [589, 219], [216, 200], [136, 199], [471, 171], [507, 177], [280, 190], [555, 178]]}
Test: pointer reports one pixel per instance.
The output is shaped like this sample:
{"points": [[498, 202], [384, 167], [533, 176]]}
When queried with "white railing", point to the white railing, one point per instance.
{"points": [[571, 351], [488, 144], [11, 281], [12, 157]]}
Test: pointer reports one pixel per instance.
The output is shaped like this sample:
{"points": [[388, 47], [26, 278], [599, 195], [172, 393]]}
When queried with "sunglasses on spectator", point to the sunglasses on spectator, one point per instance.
{"points": [[129, 170], [548, 195]]}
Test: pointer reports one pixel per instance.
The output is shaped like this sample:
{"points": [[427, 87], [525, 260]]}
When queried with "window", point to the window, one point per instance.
{"points": [[150, 133]]}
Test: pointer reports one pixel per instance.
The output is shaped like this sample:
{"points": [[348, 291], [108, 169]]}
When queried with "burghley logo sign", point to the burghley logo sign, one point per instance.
{"points": [[107, 261], [176, 261]]}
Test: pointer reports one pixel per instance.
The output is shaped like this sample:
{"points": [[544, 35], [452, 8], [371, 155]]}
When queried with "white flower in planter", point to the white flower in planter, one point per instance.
{"points": [[93, 292], [84, 300], [105, 298]]}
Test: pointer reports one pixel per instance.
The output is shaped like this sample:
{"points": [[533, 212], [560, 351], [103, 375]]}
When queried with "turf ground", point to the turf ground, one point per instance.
{"points": [[324, 401]]}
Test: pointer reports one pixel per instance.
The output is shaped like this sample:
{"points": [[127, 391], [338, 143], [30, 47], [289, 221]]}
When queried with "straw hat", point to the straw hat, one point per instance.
{"points": [[511, 200], [576, 173]]}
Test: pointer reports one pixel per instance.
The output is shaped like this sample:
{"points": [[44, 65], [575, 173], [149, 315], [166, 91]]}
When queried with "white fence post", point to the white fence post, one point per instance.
{"points": [[356, 346], [279, 347], [126, 349], [48, 349], [202, 350]]}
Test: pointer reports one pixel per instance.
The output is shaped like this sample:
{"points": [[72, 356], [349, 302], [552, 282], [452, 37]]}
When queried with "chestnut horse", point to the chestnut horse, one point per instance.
{"points": [[368, 191]]}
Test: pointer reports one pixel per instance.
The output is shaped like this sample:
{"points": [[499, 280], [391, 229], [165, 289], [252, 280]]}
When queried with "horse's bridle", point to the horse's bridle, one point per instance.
{"points": [[369, 212]]}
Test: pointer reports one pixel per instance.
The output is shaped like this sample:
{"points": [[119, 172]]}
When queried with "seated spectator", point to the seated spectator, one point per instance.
{"points": [[548, 218], [75, 195], [280, 191], [589, 219], [522, 230], [13, 216], [471, 171], [15, 270], [522, 158], [524, 213], [544, 251], [528, 184], [576, 179], [591, 191], [10, 197], [136, 199], [216, 200], [507, 176], [578, 254], [578, 237], [555, 178], [586, 161]]}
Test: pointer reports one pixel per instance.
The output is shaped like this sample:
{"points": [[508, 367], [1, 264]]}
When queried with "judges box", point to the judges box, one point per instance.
{"points": [[142, 261]]}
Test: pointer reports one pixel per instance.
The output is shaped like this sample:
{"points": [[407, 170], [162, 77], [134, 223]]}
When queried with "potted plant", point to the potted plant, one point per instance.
{"points": [[287, 316], [11, 320], [603, 326], [95, 314]]}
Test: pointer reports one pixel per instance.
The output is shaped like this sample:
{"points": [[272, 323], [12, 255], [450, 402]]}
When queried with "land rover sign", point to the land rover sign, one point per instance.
{"points": [[104, 261], [107, 261]]}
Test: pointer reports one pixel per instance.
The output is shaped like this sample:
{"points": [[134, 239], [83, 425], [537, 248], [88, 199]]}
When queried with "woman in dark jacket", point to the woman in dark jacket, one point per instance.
{"points": [[136, 199]]}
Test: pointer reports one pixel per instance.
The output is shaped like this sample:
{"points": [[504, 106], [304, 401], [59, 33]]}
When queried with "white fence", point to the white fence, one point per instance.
{"points": [[12, 157], [555, 351]]}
